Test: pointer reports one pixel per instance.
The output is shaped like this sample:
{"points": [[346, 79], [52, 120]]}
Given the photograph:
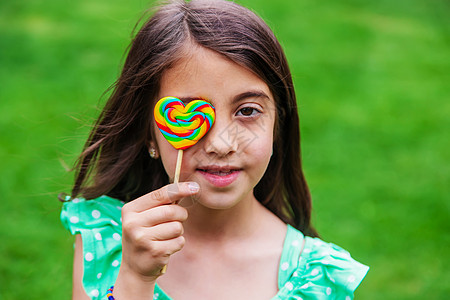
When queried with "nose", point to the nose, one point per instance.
{"points": [[221, 140]]}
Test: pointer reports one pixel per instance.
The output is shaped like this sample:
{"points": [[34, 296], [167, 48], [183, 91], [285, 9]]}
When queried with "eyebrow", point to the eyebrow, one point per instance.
{"points": [[250, 94], [237, 98]]}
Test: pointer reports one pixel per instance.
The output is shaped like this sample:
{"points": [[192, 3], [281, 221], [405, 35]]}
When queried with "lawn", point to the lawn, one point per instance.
{"points": [[370, 79]]}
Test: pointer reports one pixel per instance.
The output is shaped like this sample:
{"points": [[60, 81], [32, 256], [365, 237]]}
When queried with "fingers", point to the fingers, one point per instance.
{"points": [[166, 195], [163, 214], [166, 248], [147, 256], [152, 230], [166, 231], [159, 223], [144, 238]]}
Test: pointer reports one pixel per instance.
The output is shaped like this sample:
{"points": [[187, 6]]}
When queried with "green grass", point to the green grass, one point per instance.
{"points": [[372, 81]]}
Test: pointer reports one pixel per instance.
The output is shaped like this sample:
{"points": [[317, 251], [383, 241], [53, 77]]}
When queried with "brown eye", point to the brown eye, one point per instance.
{"points": [[247, 111]]}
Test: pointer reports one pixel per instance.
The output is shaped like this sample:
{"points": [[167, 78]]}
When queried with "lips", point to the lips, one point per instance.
{"points": [[220, 176]]}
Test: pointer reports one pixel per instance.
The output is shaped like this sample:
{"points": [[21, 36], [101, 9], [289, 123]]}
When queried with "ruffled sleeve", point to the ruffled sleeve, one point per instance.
{"points": [[322, 271], [99, 223]]}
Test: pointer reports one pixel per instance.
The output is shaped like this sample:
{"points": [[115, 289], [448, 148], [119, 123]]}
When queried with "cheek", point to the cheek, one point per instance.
{"points": [[263, 134], [263, 148], [259, 149], [167, 153]]}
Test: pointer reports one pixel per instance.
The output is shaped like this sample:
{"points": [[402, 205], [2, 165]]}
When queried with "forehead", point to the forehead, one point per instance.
{"points": [[209, 75]]}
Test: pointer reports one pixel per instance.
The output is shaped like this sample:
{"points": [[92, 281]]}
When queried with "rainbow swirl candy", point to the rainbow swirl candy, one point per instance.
{"points": [[181, 125]]}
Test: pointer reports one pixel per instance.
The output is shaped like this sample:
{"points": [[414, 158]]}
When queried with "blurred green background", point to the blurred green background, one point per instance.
{"points": [[372, 79]]}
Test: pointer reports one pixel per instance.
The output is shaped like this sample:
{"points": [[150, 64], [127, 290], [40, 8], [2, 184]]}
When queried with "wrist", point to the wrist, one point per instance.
{"points": [[130, 285]]}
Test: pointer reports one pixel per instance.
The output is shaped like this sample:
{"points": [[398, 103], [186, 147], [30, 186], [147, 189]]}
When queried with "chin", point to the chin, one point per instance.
{"points": [[222, 200]]}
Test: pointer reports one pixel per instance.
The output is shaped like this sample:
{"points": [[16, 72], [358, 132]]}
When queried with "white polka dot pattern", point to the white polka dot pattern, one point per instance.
{"points": [[116, 236], [97, 221], [98, 236], [89, 256], [321, 268], [289, 286], [96, 214], [94, 293]]}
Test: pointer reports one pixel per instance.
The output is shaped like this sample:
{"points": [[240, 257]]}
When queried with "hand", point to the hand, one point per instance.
{"points": [[152, 230]]}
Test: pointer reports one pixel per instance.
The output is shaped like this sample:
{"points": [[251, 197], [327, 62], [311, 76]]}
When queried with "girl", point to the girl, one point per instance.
{"points": [[241, 228]]}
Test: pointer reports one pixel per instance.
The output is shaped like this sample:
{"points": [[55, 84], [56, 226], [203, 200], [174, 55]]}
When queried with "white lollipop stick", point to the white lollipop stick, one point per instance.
{"points": [[178, 166]]}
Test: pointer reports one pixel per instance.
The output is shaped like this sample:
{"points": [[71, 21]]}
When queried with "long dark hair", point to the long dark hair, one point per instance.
{"points": [[115, 158]]}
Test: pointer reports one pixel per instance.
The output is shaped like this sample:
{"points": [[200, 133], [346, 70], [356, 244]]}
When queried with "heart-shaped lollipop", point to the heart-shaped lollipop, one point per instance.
{"points": [[183, 126]]}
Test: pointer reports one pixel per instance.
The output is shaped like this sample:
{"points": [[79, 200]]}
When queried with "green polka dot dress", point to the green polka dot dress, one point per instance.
{"points": [[321, 271]]}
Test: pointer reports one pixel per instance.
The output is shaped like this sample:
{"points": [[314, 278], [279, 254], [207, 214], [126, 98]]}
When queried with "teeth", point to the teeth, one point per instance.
{"points": [[219, 173]]}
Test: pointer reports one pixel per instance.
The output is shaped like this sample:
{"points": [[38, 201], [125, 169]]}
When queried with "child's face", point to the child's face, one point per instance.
{"points": [[232, 157]]}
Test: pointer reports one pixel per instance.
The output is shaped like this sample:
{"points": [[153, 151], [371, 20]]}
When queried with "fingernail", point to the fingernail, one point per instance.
{"points": [[193, 187]]}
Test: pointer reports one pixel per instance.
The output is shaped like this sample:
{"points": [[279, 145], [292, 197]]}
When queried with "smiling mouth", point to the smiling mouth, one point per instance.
{"points": [[220, 176], [219, 171]]}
